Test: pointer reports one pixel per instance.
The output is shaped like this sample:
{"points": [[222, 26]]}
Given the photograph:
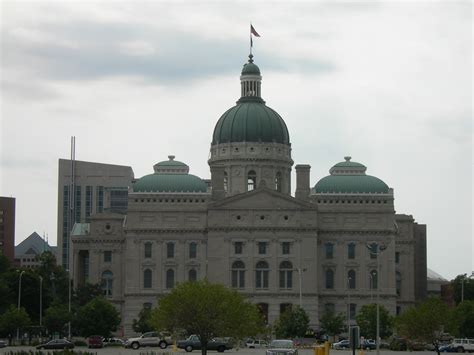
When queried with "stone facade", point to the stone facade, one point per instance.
{"points": [[336, 247]]}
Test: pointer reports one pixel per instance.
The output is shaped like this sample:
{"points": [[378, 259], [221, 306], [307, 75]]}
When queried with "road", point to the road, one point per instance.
{"points": [[156, 351]]}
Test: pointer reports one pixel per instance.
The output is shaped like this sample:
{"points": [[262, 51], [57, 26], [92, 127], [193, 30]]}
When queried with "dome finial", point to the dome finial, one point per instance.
{"points": [[171, 157], [347, 158], [250, 58]]}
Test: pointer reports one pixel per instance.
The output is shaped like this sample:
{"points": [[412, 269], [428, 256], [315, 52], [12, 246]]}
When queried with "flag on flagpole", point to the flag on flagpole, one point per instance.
{"points": [[252, 31]]}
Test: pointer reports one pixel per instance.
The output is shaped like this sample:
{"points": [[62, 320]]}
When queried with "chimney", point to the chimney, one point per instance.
{"points": [[217, 182], [302, 182]]}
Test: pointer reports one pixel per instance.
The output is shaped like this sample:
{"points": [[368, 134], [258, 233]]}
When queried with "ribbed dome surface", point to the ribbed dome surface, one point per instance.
{"points": [[250, 69], [351, 184], [250, 121], [170, 183]]}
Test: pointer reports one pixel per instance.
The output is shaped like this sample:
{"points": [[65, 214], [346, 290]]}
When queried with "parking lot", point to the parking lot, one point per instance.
{"points": [[157, 351]]}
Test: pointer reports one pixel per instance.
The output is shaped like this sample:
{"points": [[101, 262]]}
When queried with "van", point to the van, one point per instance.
{"points": [[95, 341], [462, 345]]}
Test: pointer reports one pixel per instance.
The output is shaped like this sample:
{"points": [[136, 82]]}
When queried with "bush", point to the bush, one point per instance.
{"points": [[79, 343]]}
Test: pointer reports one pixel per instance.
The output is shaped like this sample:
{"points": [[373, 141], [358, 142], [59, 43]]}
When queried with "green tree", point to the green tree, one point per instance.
{"points": [[463, 320], [143, 323], [463, 282], [12, 320], [331, 323], [99, 316], [425, 322], [56, 317], [293, 323], [367, 321], [207, 310], [86, 293]]}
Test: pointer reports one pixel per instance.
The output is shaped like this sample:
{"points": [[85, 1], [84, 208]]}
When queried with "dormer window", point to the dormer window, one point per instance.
{"points": [[251, 180]]}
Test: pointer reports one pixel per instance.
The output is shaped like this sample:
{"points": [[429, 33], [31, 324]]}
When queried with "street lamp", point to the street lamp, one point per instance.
{"points": [[377, 250], [349, 304], [41, 304], [300, 274], [19, 303]]}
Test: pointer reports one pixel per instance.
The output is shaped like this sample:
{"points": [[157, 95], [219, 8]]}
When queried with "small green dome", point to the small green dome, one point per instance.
{"points": [[250, 121], [170, 183], [250, 69], [350, 177], [170, 176]]}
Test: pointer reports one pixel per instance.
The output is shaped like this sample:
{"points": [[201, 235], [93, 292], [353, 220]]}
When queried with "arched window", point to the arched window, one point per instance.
{"points": [[251, 180], [278, 181], [148, 248], [147, 276], [286, 275], [351, 279], [238, 274], [192, 275], [263, 308], [261, 275], [373, 279], [169, 278], [226, 182], [329, 279], [192, 250], [107, 283], [398, 283], [351, 250]]}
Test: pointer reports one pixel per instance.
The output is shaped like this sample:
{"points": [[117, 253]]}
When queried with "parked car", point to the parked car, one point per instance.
{"points": [[462, 345], [148, 339], [95, 341], [113, 342], [194, 343], [368, 344], [256, 344], [56, 344], [343, 344], [447, 348], [3, 343], [282, 347]]}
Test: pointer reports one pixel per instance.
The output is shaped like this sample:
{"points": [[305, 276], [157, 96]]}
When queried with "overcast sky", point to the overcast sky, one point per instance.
{"points": [[388, 83]]}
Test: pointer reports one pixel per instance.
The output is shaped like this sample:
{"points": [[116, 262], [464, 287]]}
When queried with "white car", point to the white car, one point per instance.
{"points": [[282, 347], [462, 345], [256, 344]]}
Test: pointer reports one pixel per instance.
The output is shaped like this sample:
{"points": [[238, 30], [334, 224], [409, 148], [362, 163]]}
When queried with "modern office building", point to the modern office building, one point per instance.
{"points": [[85, 188], [336, 245], [27, 253], [7, 227]]}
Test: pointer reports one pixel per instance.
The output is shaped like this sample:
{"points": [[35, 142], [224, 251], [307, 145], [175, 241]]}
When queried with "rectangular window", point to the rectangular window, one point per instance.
{"points": [[262, 248], [170, 250], [99, 193], [285, 248], [238, 247], [88, 203], [352, 310], [397, 257], [148, 247], [107, 256], [329, 250], [118, 199], [78, 205], [192, 250], [351, 251]]}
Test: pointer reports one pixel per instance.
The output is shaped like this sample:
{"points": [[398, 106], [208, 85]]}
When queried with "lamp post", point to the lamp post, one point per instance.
{"points": [[300, 275], [19, 302], [349, 305], [41, 305], [377, 249]]}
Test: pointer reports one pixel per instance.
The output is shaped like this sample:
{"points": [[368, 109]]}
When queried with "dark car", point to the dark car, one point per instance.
{"points": [[447, 348], [95, 341], [56, 344], [3, 343], [368, 344], [194, 343]]}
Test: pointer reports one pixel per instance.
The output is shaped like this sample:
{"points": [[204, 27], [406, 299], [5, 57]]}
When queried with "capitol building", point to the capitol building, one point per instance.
{"points": [[337, 244]]}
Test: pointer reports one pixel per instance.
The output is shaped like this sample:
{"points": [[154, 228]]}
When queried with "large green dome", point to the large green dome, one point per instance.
{"points": [[350, 177], [170, 176], [250, 121]]}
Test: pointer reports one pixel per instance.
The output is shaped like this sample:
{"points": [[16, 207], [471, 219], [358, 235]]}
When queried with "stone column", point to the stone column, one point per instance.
{"points": [[217, 182]]}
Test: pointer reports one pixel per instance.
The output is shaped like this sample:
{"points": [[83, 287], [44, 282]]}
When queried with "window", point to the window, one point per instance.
{"points": [[192, 250], [88, 203], [329, 279], [261, 275], [285, 307], [107, 256], [99, 206], [373, 250], [226, 182], [147, 274], [398, 283], [170, 250], [351, 251], [373, 279], [285, 248], [397, 257], [238, 274], [351, 279], [238, 247], [192, 275], [278, 182], [263, 308], [169, 278], [148, 247], [262, 248], [118, 199], [147, 305], [251, 180], [286, 275], [399, 310], [107, 283], [352, 310], [329, 250]]}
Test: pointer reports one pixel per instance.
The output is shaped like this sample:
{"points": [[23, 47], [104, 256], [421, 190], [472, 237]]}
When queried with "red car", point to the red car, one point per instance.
{"points": [[95, 341]]}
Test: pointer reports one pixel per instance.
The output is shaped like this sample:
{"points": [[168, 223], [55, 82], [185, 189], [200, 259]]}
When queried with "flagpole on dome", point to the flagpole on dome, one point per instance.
{"points": [[252, 32]]}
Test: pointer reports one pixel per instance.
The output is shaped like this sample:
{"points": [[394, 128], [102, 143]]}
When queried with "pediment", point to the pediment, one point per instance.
{"points": [[262, 198]]}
